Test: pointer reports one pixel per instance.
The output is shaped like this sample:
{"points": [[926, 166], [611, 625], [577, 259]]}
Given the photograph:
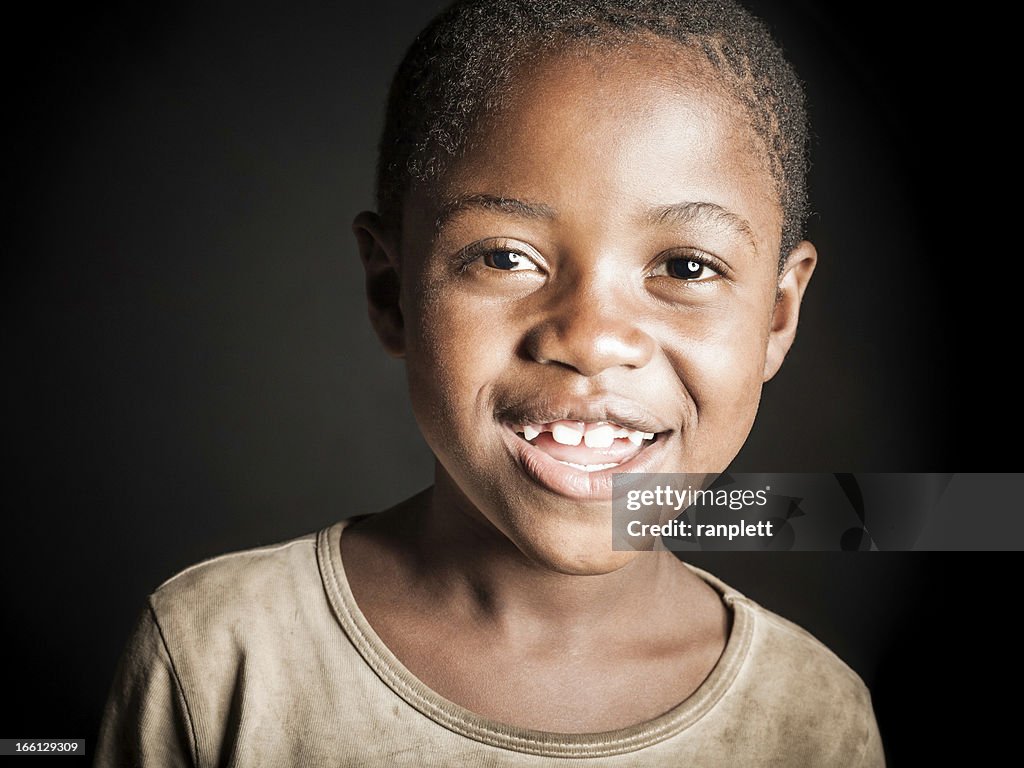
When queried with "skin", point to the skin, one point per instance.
{"points": [[523, 587]]}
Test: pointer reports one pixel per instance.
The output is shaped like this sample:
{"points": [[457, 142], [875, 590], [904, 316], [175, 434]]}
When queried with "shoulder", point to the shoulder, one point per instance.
{"points": [[807, 700], [247, 632], [237, 576], [792, 649], [238, 600], [798, 657]]}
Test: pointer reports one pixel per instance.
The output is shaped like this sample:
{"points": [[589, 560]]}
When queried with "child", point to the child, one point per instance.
{"points": [[588, 253]]}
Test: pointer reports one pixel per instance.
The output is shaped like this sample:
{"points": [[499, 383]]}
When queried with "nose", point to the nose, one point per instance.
{"points": [[590, 330]]}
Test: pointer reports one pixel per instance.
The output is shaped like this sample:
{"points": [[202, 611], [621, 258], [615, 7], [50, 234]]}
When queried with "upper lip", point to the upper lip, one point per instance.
{"points": [[545, 409]]}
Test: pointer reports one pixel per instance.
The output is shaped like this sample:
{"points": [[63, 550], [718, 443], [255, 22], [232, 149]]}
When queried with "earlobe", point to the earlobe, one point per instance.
{"points": [[378, 252], [795, 276]]}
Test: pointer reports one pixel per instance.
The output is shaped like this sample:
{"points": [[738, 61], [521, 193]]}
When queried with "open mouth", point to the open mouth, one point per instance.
{"points": [[586, 446], [577, 447]]}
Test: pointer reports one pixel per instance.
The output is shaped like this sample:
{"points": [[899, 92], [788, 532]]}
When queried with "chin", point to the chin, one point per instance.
{"points": [[593, 566], [574, 552]]}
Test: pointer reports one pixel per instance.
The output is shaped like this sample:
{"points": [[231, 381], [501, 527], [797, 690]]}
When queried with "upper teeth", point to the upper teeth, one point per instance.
{"points": [[594, 435], [567, 434], [599, 437]]}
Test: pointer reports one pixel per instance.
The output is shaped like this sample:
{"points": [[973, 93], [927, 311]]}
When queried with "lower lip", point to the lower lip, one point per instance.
{"points": [[577, 483]]}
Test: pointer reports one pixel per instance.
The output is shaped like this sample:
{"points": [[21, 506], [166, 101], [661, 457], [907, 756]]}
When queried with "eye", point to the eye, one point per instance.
{"points": [[509, 261], [689, 268], [500, 254]]}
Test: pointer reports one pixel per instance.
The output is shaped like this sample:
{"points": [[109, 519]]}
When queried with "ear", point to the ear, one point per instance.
{"points": [[379, 253], [796, 274]]}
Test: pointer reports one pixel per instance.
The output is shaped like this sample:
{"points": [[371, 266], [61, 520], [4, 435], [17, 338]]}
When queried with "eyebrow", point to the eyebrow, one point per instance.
{"points": [[673, 214], [685, 213], [507, 205]]}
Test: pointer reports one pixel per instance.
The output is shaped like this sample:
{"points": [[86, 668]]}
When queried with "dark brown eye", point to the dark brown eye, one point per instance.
{"points": [[685, 269], [509, 261]]}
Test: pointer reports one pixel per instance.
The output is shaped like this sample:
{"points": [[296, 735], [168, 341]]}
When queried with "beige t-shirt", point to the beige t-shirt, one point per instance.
{"points": [[262, 658]]}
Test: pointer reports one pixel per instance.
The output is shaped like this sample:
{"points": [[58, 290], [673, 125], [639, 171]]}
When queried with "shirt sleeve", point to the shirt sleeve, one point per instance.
{"points": [[873, 755], [146, 723]]}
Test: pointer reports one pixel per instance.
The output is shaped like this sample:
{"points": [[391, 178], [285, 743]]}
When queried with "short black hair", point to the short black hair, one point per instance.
{"points": [[460, 67]]}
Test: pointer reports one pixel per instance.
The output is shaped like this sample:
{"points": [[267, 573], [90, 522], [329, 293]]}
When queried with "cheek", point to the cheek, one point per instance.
{"points": [[720, 365], [457, 348]]}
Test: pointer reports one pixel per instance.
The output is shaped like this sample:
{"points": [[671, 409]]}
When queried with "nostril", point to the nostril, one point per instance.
{"points": [[589, 350]]}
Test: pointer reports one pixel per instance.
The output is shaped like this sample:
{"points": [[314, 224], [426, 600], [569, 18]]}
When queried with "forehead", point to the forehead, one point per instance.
{"points": [[608, 134]]}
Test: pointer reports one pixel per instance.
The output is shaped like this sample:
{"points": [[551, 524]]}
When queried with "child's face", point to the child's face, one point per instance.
{"points": [[607, 252]]}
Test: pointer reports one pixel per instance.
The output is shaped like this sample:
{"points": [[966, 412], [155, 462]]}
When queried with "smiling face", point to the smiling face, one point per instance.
{"points": [[592, 289]]}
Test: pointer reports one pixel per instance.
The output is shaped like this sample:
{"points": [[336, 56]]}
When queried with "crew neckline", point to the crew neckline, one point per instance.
{"points": [[549, 744]]}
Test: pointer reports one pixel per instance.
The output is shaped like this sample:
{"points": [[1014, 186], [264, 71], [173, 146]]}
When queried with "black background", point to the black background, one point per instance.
{"points": [[190, 370]]}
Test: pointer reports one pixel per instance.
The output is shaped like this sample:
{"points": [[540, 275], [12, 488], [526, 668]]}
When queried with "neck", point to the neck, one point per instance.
{"points": [[464, 563]]}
